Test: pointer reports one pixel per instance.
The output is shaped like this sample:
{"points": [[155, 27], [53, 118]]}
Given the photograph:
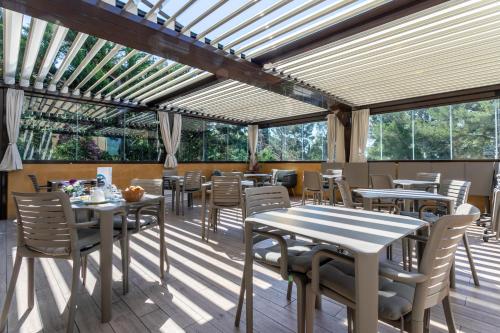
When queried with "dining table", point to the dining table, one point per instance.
{"points": [[363, 233], [106, 212], [204, 189], [371, 194]]}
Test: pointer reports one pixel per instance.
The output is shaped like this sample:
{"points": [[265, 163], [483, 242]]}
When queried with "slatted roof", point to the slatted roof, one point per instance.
{"points": [[47, 56], [448, 47], [236, 100]]}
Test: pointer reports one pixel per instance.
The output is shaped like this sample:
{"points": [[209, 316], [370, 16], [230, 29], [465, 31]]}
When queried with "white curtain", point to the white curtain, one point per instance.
{"points": [[13, 108], [359, 135], [253, 135], [171, 139], [336, 145]]}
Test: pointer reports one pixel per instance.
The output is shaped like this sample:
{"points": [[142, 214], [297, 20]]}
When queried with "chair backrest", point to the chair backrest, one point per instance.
{"points": [[266, 198], [312, 181], [232, 173], [345, 192], [457, 189], [34, 181], [45, 223], [150, 186], [434, 177], [192, 180], [439, 255], [381, 181], [335, 172], [226, 191]]}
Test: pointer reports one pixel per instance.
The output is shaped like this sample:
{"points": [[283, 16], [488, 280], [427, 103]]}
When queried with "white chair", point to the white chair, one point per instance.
{"points": [[46, 228]]}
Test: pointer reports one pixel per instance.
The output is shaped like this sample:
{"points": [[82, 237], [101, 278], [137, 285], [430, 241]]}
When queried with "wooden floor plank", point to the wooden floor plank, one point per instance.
{"points": [[200, 292]]}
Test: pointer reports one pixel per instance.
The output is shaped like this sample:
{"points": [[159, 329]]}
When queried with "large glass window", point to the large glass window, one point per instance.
{"points": [[204, 140], [301, 142], [460, 132]]}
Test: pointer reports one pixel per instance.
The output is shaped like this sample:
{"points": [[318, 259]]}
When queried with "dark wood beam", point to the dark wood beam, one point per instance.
{"points": [[4, 141], [293, 120], [383, 14], [109, 22], [447, 98]]}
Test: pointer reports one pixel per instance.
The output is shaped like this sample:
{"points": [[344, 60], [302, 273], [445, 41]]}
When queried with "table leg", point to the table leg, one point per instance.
{"points": [[203, 210], [366, 272], [177, 196], [367, 204], [248, 276], [332, 192], [163, 254], [106, 263]]}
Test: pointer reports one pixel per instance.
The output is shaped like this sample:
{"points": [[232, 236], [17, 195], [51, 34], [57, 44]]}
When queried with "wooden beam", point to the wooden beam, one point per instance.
{"points": [[447, 98], [380, 15], [97, 18], [4, 141]]}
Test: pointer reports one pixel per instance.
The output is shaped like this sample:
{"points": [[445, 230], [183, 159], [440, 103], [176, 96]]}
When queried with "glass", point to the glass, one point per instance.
{"points": [[141, 133]]}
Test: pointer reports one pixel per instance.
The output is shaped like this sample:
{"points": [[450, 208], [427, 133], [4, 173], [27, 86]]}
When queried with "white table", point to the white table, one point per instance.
{"points": [[364, 233], [204, 187], [374, 194], [106, 213]]}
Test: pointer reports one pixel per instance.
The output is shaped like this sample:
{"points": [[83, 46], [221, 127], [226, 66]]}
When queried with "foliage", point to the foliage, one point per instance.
{"points": [[462, 131]]}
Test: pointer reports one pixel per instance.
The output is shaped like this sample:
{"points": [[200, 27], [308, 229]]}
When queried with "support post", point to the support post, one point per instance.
{"points": [[4, 141]]}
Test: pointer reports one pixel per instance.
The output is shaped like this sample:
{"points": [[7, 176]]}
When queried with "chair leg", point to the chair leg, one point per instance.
{"points": [[74, 294], [310, 302], [301, 305], [10, 292], [182, 200], [240, 301], [303, 197], [449, 314], [410, 254], [289, 291], [427, 320], [404, 248], [84, 268], [350, 321], [173, 199], [319, 303], [471, 260], [31, 282]]}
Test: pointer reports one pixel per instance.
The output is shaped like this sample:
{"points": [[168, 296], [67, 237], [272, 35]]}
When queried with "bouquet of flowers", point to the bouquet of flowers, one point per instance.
{"points": [[73, 188]]}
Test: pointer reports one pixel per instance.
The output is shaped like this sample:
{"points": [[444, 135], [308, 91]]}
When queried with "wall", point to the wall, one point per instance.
{"points": [[122, 174]]}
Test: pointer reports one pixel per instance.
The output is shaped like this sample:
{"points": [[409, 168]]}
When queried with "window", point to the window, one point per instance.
{"points": [[203, 140], [60, 130], [461, 131], [301, 142]]}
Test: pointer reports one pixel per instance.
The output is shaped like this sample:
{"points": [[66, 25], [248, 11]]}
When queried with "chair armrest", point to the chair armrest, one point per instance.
{"points": [[397, 274], [317, 259], [283, 250]]}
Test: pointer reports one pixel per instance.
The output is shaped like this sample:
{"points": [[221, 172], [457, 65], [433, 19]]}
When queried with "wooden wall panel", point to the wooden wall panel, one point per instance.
{"points": [[122, 174]]}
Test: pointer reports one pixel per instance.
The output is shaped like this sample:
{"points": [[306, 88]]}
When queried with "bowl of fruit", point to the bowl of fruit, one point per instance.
{"points": [[133, 193]]}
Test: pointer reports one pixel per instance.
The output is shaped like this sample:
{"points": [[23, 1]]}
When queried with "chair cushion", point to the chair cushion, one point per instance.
{"points": [[145, 220], [395, 299], [89, 237], [299, 255]]}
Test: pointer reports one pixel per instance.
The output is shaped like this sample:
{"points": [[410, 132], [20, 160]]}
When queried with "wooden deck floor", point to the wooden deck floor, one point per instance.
{"points": [[200, 292]]}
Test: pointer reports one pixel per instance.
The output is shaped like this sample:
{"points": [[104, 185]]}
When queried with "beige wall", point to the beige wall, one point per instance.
{"points": [[123, 173]]}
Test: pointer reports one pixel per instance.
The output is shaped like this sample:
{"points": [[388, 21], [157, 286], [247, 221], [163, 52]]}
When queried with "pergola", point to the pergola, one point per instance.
{"points": [[254, 63]]}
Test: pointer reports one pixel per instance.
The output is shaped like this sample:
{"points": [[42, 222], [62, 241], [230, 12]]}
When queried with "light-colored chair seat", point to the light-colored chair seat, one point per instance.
{"points": [[395, 299], [300, 255], [145, 220], [427, 216]]}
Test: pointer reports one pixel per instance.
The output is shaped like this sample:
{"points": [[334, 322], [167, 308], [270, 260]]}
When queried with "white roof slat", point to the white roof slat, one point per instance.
{"points": [[157, 92], [169, 23], [204, 14], [37, 29], [75, 47], [55, 44], [12, 23]]}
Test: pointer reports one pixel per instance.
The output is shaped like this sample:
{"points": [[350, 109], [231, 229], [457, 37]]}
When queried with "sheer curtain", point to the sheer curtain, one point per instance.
{"points": [[14, 108], [171, 139], [336, 145], [253, 135], [359, 135]]}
